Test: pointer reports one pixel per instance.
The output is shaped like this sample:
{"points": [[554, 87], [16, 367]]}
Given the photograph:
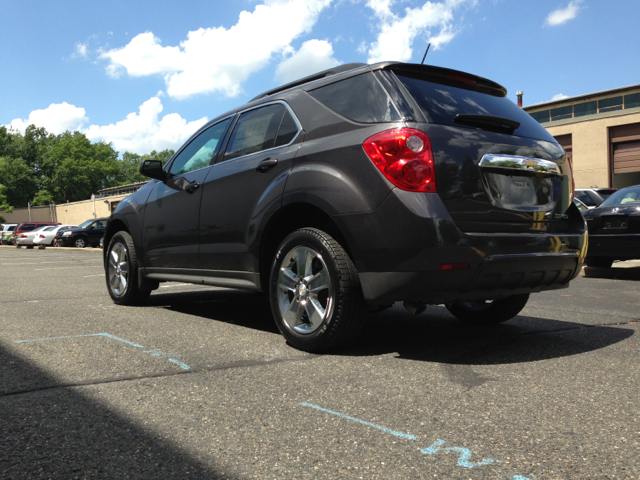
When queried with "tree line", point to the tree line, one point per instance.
{"points": [[41, 168]]}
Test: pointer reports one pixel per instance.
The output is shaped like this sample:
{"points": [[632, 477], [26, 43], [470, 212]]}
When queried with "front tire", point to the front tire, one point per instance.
{"points": [[489, 312], [121, 271], [315, 292]]}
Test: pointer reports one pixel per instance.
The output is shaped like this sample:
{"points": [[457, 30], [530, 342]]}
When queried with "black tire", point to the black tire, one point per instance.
{"points": [[80, 242], [328, 287], [489, 312], [599, 262], [29, 246], [121, 271]]}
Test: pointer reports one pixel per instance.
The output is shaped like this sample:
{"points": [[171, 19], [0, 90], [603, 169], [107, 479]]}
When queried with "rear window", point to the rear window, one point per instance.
{"points": [[441, 103], [627, 196], [360, 98], [27, 227]]}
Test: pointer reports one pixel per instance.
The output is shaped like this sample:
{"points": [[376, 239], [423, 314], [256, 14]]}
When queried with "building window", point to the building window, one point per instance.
{"points": [[632, 101], [588, 108], [542, 116], [610, 104], [561, 113]]}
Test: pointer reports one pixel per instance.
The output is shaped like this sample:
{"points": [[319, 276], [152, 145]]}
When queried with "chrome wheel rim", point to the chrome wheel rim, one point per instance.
{"points": [[80, 243], [304, 290], [118, 269]]}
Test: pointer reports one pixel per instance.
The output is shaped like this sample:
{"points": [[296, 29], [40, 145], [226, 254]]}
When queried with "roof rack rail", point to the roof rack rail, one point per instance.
{"points": [[310, 78]]}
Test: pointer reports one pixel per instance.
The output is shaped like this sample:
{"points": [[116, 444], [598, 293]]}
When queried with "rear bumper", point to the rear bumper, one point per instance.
{"points": [[615, 246], [498, 276], [398, 248]]}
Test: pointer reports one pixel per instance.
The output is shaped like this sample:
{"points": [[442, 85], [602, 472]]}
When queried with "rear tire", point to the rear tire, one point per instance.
{"points": [[489, 312], [80, 243], [599, 262], [121, 271], [315, 292]]}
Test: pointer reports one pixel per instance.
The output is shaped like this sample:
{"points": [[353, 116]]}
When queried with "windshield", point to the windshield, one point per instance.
{"points": [[627, 196], [86, 224]]}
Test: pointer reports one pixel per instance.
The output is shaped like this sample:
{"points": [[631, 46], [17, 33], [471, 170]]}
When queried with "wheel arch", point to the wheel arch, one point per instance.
{"points": [[286, 221]]}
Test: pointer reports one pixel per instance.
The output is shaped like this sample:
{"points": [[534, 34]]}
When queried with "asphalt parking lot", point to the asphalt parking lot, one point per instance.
{"points": [[199, 384]]}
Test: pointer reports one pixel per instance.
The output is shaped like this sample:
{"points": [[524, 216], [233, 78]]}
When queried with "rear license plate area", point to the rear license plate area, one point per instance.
{"points": [[619, 221]]}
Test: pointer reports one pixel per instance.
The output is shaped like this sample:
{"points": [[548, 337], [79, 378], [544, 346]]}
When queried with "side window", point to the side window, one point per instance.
{"points": [[586, 199], [99, 224], [288, 130], [255, 131], [199, 153], [360, 98]]}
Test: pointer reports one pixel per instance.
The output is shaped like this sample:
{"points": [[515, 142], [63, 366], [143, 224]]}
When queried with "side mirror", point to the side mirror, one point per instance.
{"points": [[152, 169]]}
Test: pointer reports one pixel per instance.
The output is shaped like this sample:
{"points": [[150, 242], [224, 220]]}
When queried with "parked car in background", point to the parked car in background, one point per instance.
{"points": [[594, 196], [581, 206], [358, 186], [6, 231], [87, 234], [25, 239], [28, 227], [46, 237], [614, 228]]}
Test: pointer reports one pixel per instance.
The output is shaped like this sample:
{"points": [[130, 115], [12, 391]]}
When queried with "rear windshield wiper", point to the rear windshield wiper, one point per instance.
{"points": [[488, 122]]}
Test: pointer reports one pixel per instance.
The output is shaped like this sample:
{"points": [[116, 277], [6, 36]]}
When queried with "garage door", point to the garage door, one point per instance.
{"points": [[566, 143], [626, 148]]}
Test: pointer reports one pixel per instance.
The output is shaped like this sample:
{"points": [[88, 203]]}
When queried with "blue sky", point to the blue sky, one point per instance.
{"points": [[145, 75]]}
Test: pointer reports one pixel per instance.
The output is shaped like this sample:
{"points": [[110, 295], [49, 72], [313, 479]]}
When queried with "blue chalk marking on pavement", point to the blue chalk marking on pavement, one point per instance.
{"points": [[465, 454], [184, 366], [520, 477], [154, 353], [408, 436], [108, 335]]}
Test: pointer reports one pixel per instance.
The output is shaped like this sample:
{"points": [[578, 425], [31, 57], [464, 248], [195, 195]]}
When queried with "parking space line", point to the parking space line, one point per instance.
{"points": [[66, 268], [436, 447]]}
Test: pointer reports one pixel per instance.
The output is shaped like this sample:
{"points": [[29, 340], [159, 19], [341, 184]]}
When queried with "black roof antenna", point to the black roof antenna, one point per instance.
{"points": [[425, 54]]}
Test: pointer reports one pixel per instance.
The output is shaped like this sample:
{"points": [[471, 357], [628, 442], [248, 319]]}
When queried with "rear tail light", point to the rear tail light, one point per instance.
{"points": [[458, 77], [404, 157], [23, 236], [41, 236], [454, 266]]}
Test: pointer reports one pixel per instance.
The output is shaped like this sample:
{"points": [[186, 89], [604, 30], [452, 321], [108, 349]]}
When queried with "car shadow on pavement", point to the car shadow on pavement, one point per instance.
{"points": [[61, 433], [436, 336], [620, 273], [433, 336]]}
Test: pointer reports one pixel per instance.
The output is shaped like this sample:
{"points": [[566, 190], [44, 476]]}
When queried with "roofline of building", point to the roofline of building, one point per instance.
{"points": [[108, 189], [586, 95]]}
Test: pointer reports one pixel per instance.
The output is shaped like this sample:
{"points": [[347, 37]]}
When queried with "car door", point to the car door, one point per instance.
{"points": [[96, 231], [170, 233], [246, 184]]}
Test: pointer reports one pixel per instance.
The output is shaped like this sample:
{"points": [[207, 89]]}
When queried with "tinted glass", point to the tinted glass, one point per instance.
{"points": [[542, 116], [255, 131], [28, 227], [100, 224], [85, 224], [588, 108], [585, 198], [199, 153], [632, 101], [626, 196], [441, 103], [359, 98], [610, 104], [561, 113], [288, 130]]}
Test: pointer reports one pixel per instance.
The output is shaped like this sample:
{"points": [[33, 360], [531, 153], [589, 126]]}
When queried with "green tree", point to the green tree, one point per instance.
{"points": [[19, 180], [43, 197], [73, 168], [4, 204]]}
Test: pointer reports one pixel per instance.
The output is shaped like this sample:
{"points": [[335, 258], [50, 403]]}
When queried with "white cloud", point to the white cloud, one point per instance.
{"points": [[560, 96], [218, 59], [145, 131], [396, 35], [563, 15], [313, 56], [81, 50], [56, 118]]}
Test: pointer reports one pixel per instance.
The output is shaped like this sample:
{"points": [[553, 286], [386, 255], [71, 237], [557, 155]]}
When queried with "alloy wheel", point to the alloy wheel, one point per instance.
{"points": [[304, 290], [118, 269]]}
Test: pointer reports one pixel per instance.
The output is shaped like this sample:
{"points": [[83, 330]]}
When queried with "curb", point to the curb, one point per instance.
{"points": [[87, 249]]}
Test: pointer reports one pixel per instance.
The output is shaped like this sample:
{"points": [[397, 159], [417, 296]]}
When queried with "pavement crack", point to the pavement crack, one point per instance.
{"points": [[128, 378]]}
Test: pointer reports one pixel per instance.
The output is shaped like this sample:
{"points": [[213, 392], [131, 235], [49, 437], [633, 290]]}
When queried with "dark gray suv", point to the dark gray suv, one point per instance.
{"points": [[352, 189]]}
